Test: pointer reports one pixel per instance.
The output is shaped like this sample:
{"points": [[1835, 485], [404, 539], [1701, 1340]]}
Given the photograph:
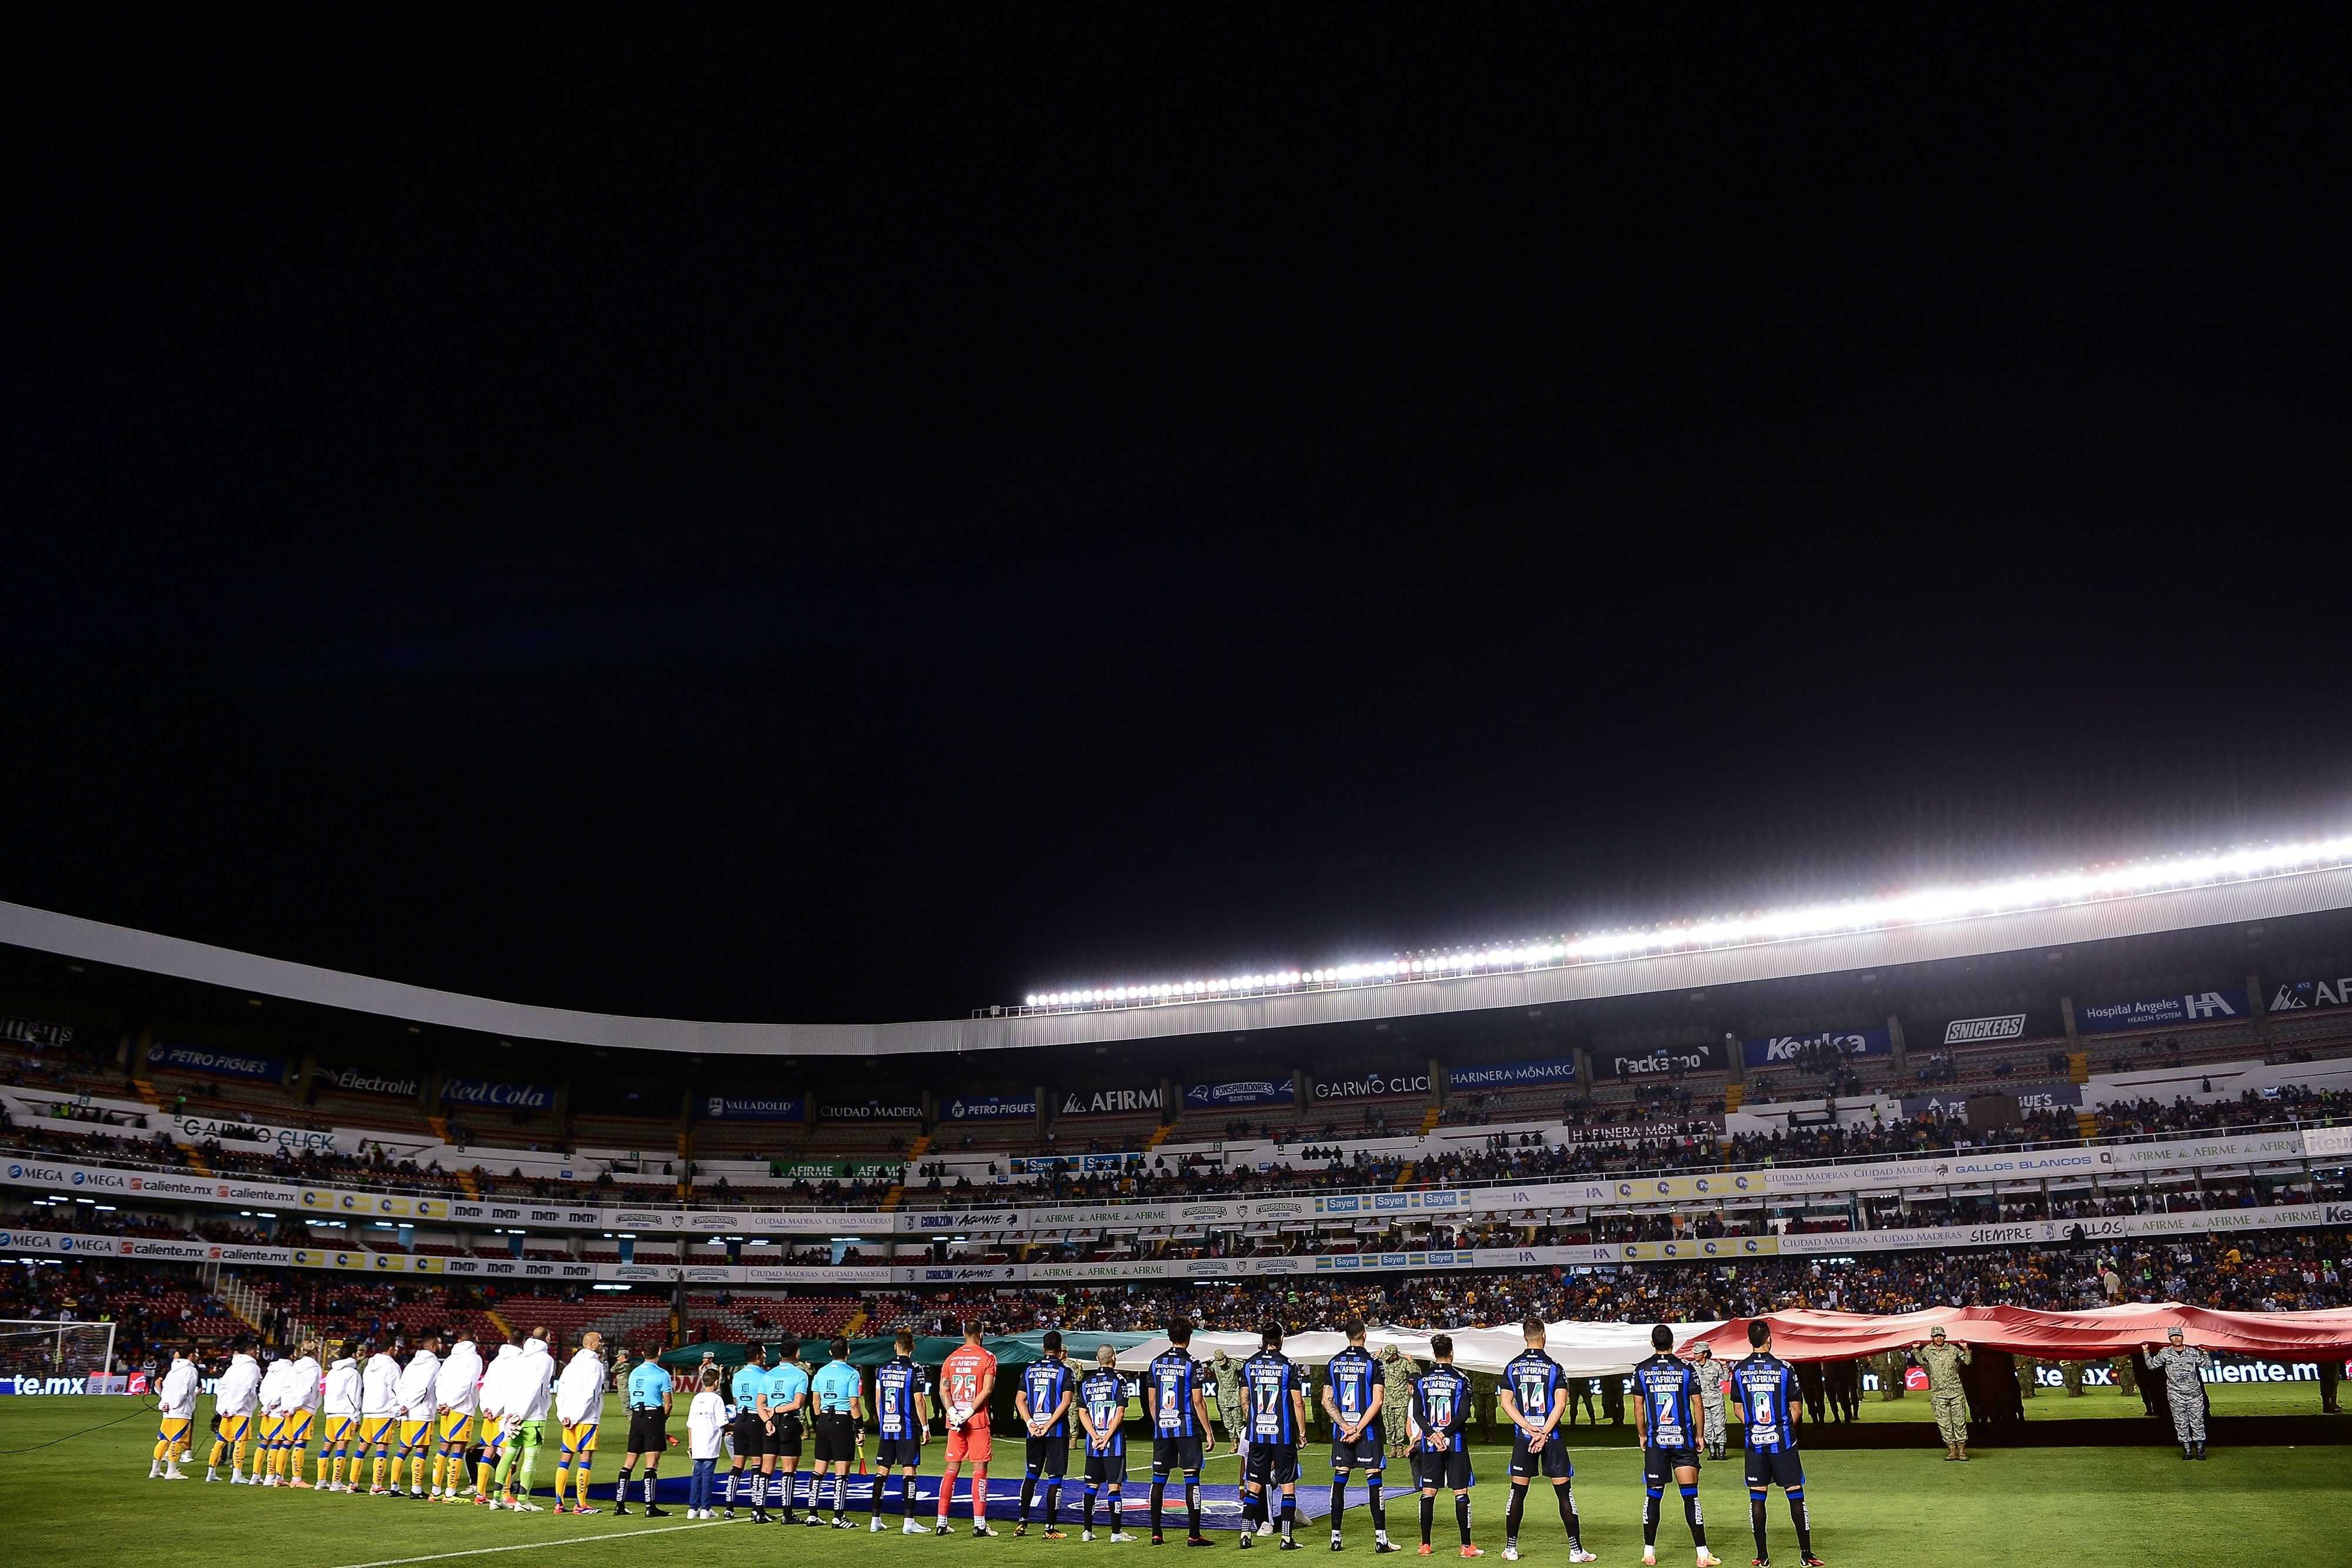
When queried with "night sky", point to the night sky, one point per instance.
{"points": [[756, 516]]}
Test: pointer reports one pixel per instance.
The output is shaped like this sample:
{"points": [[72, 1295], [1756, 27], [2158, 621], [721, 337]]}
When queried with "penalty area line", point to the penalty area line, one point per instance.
{"points": [[537, 1545]]}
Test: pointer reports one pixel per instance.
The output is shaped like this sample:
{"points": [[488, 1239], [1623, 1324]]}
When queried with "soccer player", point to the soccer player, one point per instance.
{"points": [[271, 1408], [1665, 1425], [456, 1399], [175, 1406], [378, 1415], [752, 1425], [300, 1399], [1277, 1416], [651, 1395], [496, 1381], [340, 1418], [418, 1407], [967, 1379], [1533, 1393], [1440, 1452], [902, 1417], [838, 1393], [529, 1392], [1102, 1411], [1768, 1411], [1353, 1395], [1179, 1412], [579, 1407], [234, 1398], [1043, 1403]]}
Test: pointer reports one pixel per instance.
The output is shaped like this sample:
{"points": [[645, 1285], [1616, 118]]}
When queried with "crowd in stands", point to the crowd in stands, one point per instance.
{"points": [[2287, 1105]]}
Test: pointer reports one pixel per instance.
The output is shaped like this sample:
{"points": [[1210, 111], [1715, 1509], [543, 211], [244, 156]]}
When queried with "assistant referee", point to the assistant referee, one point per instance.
{"points": [[648, 1388], [838, 1393]]}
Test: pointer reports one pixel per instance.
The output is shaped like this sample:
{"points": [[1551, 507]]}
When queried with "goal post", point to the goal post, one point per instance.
{"points": [[67, 1354]]}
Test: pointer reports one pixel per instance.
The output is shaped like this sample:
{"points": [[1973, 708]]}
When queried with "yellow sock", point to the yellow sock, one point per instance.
{"points": [[482, 1482], [580, 1474], [440, 1470], [160, 1446], [378, 1471], [324, 1460], [238, 1456]]}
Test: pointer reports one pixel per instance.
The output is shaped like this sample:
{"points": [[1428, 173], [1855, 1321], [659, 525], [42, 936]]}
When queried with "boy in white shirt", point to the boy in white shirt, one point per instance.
{"points": [[706, 1426]]}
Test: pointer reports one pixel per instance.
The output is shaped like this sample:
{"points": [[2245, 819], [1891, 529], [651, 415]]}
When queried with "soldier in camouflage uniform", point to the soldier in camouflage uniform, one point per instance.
{"points": [[1397, 1373], [2070, 1372], [1232, 1409], [1943, 1361], [2183, 1366], [1714, 1380], [2119, 1376], [2029, 1378], [1890, 1375]]}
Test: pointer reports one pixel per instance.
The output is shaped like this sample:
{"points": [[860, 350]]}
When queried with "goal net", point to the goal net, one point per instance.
{"points": [[59, 1356]]}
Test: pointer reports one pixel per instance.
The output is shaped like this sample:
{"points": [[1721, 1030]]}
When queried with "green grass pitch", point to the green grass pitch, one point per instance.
{"points": [[84, 1503]]}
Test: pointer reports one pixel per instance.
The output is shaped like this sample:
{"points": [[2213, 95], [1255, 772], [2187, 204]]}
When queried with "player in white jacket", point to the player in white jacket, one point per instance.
{"points": [[579, 1404], [175, 1412], [528, 1392], [457, 1399], [379, 1416], [340, 1413], [414, 1393], [270, 1413], [495, 1382], [235, 1398], [300, 1398]]}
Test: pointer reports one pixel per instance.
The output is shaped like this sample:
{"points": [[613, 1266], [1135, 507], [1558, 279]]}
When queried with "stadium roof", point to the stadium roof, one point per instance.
{"points": [[2181, 895]]}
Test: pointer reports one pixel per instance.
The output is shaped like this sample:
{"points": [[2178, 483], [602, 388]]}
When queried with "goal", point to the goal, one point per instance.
{"points": [[59, 1356]]}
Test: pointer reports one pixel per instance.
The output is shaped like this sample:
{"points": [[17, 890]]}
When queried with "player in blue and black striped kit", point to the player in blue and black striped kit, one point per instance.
{"points": [[902, 1418], [1666, 1417], [1353, 1391], [1769, 1410], [1534, 1395], [1102, 1414], [1277, 1417], [1178, 1414], [1440, 1450], [1044, 1406]]}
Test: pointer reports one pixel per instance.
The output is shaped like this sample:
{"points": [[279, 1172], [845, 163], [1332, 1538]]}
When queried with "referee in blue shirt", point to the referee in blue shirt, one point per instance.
{"points": [[648, 1389], [838, 1395]]}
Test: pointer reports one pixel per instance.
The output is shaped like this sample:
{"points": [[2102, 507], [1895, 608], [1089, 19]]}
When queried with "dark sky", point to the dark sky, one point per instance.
{"points": [[744, 515]]}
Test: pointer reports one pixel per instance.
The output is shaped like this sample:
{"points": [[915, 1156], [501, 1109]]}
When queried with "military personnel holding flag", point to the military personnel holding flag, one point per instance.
{"points": [[1943, 1361], [2183, 1366]]}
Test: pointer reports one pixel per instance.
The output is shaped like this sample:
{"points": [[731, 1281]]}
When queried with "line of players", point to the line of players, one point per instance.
{"points": [[456, 1419], [467, 1431]]}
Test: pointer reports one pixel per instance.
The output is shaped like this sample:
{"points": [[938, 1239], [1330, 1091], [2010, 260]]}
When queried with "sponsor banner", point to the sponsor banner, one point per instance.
{"points": [[2286, 997], [1664, 1062], [989, 1107], [752, 1108], [182, 1058], [1370, 1086], [489, 1091], [2030, 1097], [1244, 1091], [1718, 1185], [948, 1222], [2179, 1154], [363, 1081], [293, 1140], [1697, 1250], [1512, 1074], [1107, 1102], [2327, 1142], [1783, 1049], [35, 1031], [1984, 1030], [872, 1111], [2157, 1012], [526, 1211], [1098, 1214], [379, 1205], [824, 1170], [1640, 1131]]}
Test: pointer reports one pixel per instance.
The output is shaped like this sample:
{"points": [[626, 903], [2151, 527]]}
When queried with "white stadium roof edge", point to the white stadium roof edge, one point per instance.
{"points": [[2142, 899]]}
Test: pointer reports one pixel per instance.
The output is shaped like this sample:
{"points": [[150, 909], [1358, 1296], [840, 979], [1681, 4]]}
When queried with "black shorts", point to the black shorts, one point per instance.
{"points": [[1106, 1469], [1271, 1464], [1550, 1461], [1781, 1469], [751, 1440], [648, 1432], [1450, 1469], [1170, 1455], [1049, 1457], [786, 1443], [1369, 1452], [1659, 1465], [899, 1454], [836, 1437]]}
